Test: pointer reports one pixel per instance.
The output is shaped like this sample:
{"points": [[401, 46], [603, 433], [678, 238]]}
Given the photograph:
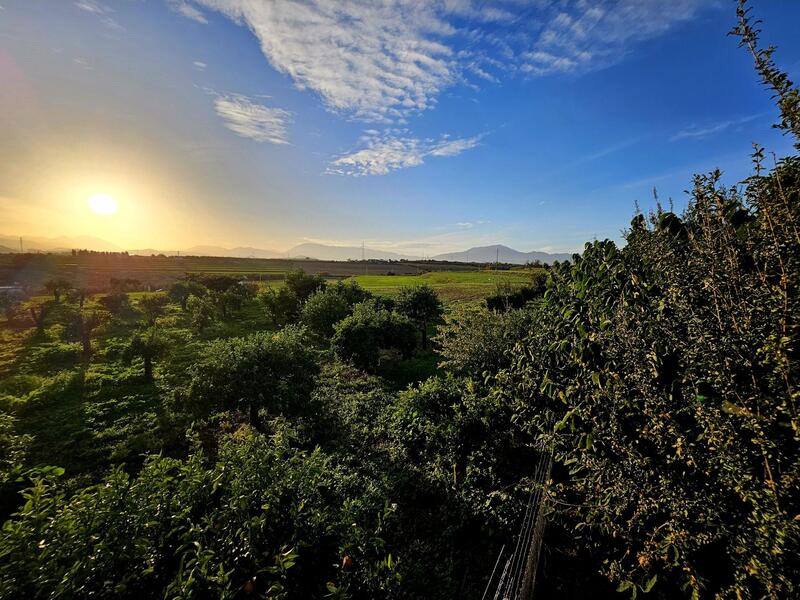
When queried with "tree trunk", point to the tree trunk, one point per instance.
{"points": [[255, 421], [86, 338]]}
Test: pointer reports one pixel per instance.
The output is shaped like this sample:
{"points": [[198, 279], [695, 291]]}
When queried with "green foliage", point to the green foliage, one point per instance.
{"points": [[421, 305], [331, 304], [664, 375], [152, 306], [476, 341], [303, 285], [8, 305], [362, 336], [181, 290], [202, 312], [57, 287], [116, 303], [148, 346], [262, 518], [273, 371], [323, 310], [281, 304]]}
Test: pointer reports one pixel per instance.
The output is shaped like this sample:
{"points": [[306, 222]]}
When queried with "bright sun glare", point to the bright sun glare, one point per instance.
{"points": [[102, 204]]}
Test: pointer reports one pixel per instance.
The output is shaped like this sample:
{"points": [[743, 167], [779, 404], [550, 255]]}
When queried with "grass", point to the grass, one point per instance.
{"points": [[450, 285]]}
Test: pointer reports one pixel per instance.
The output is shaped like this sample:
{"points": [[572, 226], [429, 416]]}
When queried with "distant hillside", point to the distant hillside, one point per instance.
{"points": [[57, 244], [238, 252], [6, 250], [324, 252], [487, 254]]}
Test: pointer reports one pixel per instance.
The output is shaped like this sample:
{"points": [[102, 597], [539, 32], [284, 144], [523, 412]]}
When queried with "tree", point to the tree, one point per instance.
{"points": [[421, 304], [360, 337], [303, 285], [148, 346], [152, 306], [323, 310], [8, 305], [81, 326], [57, 287], [115, 303], [180, 291], [474, 341], [271, 371], [39, 314], [78, 295], [202, 312], [329, 305], [281, 304]]}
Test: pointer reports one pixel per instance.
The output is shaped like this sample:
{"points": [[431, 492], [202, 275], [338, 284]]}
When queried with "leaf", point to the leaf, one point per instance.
{"points": [[649, 585]]}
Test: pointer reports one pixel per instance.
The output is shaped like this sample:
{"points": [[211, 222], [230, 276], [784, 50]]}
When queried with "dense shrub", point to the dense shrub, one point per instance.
{"points": [[327, 306], [362, 336], [262, 519], [475, 341], [664, 375], [273, 371], [421, 305], [281, 304]]}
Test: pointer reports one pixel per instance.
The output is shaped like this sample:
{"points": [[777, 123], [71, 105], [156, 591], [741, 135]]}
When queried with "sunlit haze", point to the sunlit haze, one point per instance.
{"points": [[414, 127]]}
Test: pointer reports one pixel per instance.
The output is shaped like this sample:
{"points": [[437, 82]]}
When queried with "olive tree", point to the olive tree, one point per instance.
{"points": [[148, 346]]}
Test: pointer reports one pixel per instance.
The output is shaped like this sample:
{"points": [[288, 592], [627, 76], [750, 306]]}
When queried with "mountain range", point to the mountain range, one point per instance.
{"points": [[478, 254]]}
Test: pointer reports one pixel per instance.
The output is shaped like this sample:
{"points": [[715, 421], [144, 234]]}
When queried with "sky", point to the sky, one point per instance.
{"points": [[414, 126]]}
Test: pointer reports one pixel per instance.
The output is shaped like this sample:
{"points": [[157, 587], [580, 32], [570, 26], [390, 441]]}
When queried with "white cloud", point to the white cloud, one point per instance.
{"points": [[182, 7], [383, 60], [376, 61], [394, 150], [250, 119], [101, 11], [199, 65], [582, 35]]}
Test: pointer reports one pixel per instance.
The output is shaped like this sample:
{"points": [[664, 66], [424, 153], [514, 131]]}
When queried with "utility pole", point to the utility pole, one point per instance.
{"points": [[20, 245], [497, 257], [363, 257]]}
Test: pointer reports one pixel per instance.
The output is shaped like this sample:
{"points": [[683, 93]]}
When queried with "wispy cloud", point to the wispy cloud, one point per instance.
{"points": [[394, 150], [101, 11], [579, 36], [182, 7], [199, 65], [251, 119], [699, 132]]}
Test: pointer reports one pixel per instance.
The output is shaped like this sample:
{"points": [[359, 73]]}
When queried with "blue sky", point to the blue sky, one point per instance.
{"points": [[419, 127]]}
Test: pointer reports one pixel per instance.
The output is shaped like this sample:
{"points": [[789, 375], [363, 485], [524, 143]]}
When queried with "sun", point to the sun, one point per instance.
{"points": [[103, 204]]}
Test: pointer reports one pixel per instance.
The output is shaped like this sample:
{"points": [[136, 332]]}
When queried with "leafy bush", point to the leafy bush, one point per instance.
{"points": [[329, 305], [274, 371], [664, 375], [360, 337], [475, 341], [421, 305], [262, 518], [282, 305]]}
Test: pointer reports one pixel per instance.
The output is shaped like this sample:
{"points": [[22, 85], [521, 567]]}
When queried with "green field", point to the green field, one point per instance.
{"points": [[450, 285]]}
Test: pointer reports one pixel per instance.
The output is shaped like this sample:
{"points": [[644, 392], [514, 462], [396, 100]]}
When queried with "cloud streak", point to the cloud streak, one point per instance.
{"points": [[395, 150], [183, 8], [698, 132], [101, 11], [251, 119]]}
